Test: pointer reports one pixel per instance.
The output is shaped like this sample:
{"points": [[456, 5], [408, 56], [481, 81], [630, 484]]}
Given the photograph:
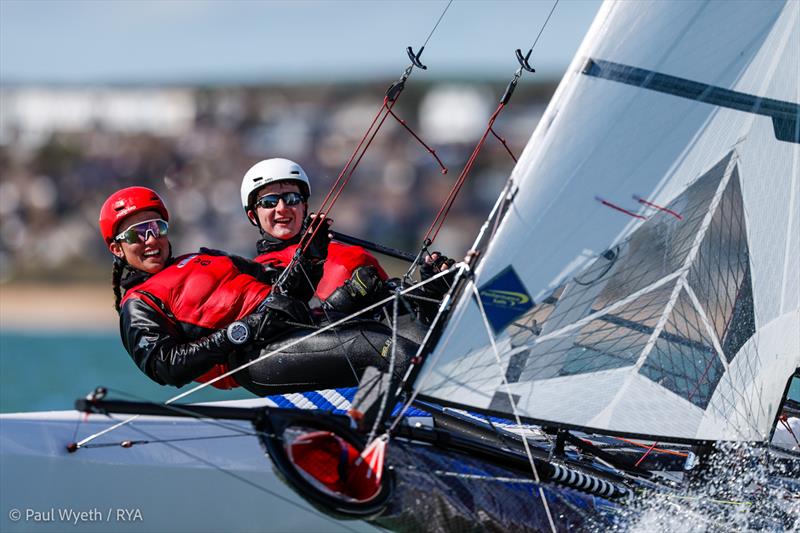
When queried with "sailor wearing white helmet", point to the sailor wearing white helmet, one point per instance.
{"points": [[274, 196]]}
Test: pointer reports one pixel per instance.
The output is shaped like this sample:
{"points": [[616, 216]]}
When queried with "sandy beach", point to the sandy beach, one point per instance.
{"points": [[83, 307]]}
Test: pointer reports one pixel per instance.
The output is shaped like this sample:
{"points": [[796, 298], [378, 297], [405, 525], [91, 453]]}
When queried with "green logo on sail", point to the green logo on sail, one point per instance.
{"points": [[504, 298]]}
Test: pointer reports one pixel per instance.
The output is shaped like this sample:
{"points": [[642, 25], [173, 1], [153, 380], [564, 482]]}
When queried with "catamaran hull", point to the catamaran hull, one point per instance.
{"points": [[219, 481], [198, 476]]}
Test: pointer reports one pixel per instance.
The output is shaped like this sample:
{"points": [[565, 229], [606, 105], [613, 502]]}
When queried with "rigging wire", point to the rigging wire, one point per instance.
{"points": [[482, 312], [441, 216], [243, 479], [390, 372], [174, 408], [428, 38], [417, 359], [130, 443], [543, 27], [384, 111], [462, 269]]}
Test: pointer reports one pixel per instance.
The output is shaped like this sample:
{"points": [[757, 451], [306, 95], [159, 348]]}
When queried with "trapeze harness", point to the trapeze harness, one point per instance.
{"points": [[172, 324]]}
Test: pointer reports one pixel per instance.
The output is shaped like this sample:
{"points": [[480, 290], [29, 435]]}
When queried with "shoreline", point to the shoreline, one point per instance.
{"points": [[80, 307]]}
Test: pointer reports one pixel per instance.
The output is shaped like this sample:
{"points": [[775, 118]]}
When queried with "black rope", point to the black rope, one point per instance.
{"points": [[543, 27], [177, 409], [441, 216], [435, 26], [129, 443]]}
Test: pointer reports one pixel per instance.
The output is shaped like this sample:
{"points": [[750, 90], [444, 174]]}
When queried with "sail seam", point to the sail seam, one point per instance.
{"points": [[611, 308], [709, 328]]}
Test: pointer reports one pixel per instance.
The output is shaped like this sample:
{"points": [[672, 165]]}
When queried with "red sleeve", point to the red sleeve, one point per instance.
{"points": [[342, 261]]}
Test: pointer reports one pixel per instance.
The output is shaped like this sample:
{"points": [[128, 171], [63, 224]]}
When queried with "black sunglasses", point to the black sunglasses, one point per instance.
{"points": [[270, 201]]}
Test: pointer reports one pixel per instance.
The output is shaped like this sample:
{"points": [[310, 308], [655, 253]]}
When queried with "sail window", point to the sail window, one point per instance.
{"points": [[673, 300]]}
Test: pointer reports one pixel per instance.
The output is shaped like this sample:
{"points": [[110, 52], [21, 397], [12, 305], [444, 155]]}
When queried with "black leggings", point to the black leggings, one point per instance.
{"points": [[332, 359]]}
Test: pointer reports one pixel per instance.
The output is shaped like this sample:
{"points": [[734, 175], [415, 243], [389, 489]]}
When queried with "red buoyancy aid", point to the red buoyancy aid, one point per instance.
{"points": [[203, 291], [342, 260]]}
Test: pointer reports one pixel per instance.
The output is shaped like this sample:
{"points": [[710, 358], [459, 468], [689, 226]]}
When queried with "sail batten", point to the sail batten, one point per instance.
{"points": [[640, 281], [783, 114]]}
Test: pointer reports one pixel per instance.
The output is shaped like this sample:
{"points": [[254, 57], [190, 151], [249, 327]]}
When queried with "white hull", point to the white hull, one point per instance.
{"points": [[178, 486]]}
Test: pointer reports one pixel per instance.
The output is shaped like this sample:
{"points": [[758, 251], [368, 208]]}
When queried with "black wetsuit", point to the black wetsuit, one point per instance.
{"points": [[331, 359], [173, 325]]}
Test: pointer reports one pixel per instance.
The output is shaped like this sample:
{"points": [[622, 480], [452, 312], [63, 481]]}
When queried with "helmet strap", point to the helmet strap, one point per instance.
{"points": [[132, 277], [268, 243]]}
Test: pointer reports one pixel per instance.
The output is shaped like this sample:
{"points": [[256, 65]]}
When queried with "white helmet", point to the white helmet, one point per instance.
{"points": [[270, 171]]}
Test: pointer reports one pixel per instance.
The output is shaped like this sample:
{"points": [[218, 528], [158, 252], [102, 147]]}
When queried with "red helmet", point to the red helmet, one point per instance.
{"points": [[126, 202]]}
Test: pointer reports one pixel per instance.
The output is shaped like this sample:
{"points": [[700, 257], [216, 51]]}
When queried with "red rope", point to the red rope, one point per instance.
{"points": [[661, 450], [504, 143], [347, 172], [650, 449], [428, 148], [656, 206], [438, 221], [618, 208], [353, 155], [784, 420]]}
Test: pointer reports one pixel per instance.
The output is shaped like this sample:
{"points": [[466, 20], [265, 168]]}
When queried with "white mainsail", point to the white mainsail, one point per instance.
{"points": [[645, 279]]}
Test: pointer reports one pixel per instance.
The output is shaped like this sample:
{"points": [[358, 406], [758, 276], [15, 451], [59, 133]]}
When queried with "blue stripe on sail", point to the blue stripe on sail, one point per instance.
{"points": [[785, 115]]}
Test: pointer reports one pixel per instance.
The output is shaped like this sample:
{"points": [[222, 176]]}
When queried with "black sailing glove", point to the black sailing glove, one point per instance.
{"points": [[317, 250], [301, 280], [433, 264], [431, 293], [363, 289]]}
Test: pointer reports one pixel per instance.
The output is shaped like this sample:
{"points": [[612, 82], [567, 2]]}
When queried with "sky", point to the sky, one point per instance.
{"points": [[212, 41]]}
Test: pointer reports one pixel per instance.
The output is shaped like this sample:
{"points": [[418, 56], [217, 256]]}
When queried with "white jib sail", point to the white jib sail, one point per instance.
{"points": [[645, 278]]}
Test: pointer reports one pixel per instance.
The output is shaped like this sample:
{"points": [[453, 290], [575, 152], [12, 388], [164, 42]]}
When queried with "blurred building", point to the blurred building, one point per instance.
{"points": [[29, 115], [64, 149]]}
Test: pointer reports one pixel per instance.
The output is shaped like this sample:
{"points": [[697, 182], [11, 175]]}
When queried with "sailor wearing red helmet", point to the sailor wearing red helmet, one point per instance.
{"points": [[195, 316]]}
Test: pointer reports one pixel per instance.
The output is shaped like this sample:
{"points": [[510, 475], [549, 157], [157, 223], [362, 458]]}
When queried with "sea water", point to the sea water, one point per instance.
{"points": [[50, 370]]}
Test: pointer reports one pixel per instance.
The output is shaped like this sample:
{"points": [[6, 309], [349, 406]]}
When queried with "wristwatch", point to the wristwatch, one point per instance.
{"points": [[238, 332]]}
